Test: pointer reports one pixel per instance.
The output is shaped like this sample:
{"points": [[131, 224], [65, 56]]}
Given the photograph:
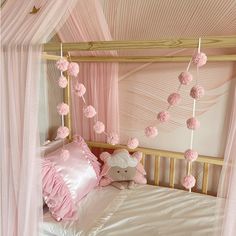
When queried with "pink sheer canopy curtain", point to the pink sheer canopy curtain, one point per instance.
{"points": [[22, 35], [227, 185], [87, 23]]}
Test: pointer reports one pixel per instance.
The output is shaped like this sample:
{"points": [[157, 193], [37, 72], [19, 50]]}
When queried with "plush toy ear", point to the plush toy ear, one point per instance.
{"points": [[104, 156], [138, 156]]}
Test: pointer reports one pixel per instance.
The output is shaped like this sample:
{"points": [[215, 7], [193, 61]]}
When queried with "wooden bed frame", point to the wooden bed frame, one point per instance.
{"points": [[207, 42], [171, 156]]}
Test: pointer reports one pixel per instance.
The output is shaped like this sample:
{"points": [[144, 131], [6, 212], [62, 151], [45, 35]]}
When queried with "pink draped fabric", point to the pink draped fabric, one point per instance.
{"points": [[20, 186], [227, 186], [87, 23], [22, 35]]}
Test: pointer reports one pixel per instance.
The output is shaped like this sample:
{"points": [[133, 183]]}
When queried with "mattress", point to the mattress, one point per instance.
{"points": [[145, 210]]}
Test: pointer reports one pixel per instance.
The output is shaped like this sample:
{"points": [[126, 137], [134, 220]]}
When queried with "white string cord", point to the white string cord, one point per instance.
{"points": [[199, 45], [62, 116], [61, 57], [192, 131], [189, 64], [194, 111]]}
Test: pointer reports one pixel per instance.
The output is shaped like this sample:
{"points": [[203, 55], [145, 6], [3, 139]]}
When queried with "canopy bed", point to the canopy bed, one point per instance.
{"points": [[72, 179], [145, 209]]}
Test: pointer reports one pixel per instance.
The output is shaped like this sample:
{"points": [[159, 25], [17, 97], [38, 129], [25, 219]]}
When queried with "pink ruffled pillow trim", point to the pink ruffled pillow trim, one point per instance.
{"points": [[91, 157], [56, 194], [95, 164]]}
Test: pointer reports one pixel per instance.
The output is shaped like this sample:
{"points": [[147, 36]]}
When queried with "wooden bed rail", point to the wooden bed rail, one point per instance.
{"points": [[172, 156], [206, 42], [138, 59]]}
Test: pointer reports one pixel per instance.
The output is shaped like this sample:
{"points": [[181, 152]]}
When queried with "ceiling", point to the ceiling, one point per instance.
{"points": [[155, 19], [168, 19]]}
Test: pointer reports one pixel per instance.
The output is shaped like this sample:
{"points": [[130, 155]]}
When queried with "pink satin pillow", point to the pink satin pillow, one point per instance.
{"points": [[66, 181]]}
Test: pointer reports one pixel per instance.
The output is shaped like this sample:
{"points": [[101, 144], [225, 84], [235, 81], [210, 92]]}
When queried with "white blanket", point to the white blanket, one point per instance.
{"points": [[146, 210]]}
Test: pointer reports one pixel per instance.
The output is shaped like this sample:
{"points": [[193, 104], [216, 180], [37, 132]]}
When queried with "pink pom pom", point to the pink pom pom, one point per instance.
{"points": [[163, 116], [99, 127], [79, 89], [112, 138], [89, 111], [185, 78], [151, 131], [62, 64], [62, 132], [189, 181], [65, 154], [193, 123], [62, 82], [191, 155], [174, 99], [132, 143], [63, 109], [199, 59], [73, 69], [197, 92]]}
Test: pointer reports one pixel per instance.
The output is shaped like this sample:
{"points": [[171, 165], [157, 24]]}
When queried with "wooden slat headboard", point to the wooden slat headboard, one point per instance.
{"points": [[172, 156]]}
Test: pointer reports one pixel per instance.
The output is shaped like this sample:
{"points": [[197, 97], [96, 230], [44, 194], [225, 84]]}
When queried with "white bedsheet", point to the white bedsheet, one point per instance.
{"points": [[146, 210]]}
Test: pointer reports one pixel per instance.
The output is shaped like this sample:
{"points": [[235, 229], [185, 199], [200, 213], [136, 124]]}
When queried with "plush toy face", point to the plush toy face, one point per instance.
{"points": [[121, 166], [117, 173]]}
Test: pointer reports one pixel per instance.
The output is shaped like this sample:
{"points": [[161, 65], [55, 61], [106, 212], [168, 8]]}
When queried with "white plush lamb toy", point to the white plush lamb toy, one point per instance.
{"points": [[121, 166]]}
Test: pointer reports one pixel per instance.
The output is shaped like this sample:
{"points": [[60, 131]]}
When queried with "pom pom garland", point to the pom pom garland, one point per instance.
{"points": [[151, 131], [199, 59], [62, 64], [163, 116], [191, 155], [174, 99], [132, 143], [65, 154], [89, 111], [63, 109], [99, 127], [62, 82], [185, 78], [62, 132], [197, 92], [193, 123], [79, 89], [188, 181], [73, 69], [112, 138]]}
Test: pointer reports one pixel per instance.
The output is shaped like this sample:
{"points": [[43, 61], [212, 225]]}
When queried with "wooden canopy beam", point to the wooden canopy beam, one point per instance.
{"points": [[133, 59], [206, 42]]}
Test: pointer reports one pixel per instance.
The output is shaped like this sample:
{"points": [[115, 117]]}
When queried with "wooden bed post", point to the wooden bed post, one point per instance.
{"points": [[156, 170], [205, 178], [172, 173]]}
